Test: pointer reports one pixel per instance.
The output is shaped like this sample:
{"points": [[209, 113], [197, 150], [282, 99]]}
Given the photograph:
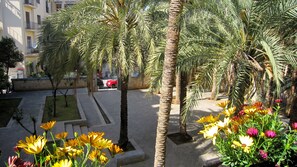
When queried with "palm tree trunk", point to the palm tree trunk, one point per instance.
{"points": [[214, 90], [177, 87], [123, 141], [293, 111], [183, 95], [171, 51]]}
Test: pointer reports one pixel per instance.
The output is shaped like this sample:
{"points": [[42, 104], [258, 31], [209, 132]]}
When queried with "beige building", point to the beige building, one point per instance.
{"points": [[21, 20], [61, 4]]}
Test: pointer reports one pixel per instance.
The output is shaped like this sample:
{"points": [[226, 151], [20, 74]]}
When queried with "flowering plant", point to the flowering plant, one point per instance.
{"points": [[255, 136], [86, 149]]}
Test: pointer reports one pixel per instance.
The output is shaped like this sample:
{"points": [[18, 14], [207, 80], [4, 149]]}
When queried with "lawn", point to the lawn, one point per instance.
{"points": [[7, 108], [63, 113]]}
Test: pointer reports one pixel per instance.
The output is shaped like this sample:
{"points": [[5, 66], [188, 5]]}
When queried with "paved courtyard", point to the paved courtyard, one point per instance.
{"points": [[142, 109]]}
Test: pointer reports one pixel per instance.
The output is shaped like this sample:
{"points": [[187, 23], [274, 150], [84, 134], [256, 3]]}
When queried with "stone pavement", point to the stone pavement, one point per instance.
{"points": [[142, 123]]}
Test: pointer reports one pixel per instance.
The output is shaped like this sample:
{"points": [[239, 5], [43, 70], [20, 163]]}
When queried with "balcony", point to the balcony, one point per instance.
{"points": [[30, 3], [31, 50], [32, 26]]}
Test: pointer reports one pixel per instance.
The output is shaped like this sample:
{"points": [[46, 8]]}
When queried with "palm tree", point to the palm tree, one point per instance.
{"points": [[171, 51], [109, 31], [243, 46]]}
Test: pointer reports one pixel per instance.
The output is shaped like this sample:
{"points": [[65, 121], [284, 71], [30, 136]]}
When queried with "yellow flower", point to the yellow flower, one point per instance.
{"points": [[48, 126], [209, 119], [68, 151], [210, 131], [33, 144], [95, 139], [245, 143], [62, 135], [63, 163], [263, 112], [224, 124], [97, 155], [97, 134], [250, 110], [103, 143], [229, 112], [72, 143], [223, 104], [115, 149]]}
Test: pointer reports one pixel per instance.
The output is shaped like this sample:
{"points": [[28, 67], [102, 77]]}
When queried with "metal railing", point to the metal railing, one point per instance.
{"points": [[32, 26], [31, 50], [29, 2]]}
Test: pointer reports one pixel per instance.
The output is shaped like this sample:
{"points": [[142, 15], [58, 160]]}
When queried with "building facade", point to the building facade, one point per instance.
{"points": [[21, 20]]}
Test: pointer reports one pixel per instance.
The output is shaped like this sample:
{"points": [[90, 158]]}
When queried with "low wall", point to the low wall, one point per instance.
{"points": [[26, 84], [138, 83]]}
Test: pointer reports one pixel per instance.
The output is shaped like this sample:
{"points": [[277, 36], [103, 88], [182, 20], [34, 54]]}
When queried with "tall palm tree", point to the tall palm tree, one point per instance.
{"points": [[171, 51], [110, 31]]}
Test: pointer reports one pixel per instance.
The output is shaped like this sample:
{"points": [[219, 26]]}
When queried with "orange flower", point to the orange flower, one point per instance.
{"points": [[48, 126], [62, 135]]}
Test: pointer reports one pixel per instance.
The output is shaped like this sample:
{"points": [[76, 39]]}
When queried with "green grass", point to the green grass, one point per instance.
{"points": [[7, 108], [63, 113]]}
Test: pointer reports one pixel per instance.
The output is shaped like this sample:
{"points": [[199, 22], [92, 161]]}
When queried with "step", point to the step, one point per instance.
{"points": [[69, 129], [84, 129], [76, 128]]}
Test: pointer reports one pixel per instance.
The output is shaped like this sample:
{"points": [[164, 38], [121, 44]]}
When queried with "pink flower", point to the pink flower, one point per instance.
{"points": [[252, 132], [294, 125], [263, 154], [278, 100], [241, 113], [270, 134]]}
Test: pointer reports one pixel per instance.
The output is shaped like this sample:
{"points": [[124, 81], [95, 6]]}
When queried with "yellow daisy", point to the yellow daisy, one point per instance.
{"points": [[33, 144], [223, 104], [208, 119], [62, 135], [115, 149], [229, 111], [97, 155], [245, 143], [63, 163], [48, 126]]}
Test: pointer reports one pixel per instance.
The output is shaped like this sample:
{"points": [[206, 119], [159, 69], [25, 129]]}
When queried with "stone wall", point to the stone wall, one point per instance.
{"points": [[138, 83], [26, 84]]}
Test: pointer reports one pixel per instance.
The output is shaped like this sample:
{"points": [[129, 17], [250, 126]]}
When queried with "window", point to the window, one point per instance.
{"points": [[58, 7], [46, 7], [38, 1], [28, 20], [38, 19], [29, 42]]}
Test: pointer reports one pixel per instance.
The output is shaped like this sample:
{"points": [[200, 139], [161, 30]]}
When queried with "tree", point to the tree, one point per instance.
{"points": [[9, 53], [108, 31], [171, 51], [57, 56]]}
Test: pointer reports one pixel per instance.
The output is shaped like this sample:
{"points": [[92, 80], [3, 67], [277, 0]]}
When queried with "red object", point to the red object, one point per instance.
{"points": [[278, 100], [294, 125], [112, 83]]}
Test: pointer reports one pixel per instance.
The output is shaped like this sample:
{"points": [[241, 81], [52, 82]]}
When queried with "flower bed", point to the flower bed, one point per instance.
{"points": [[254, 137], [86, 149]]}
